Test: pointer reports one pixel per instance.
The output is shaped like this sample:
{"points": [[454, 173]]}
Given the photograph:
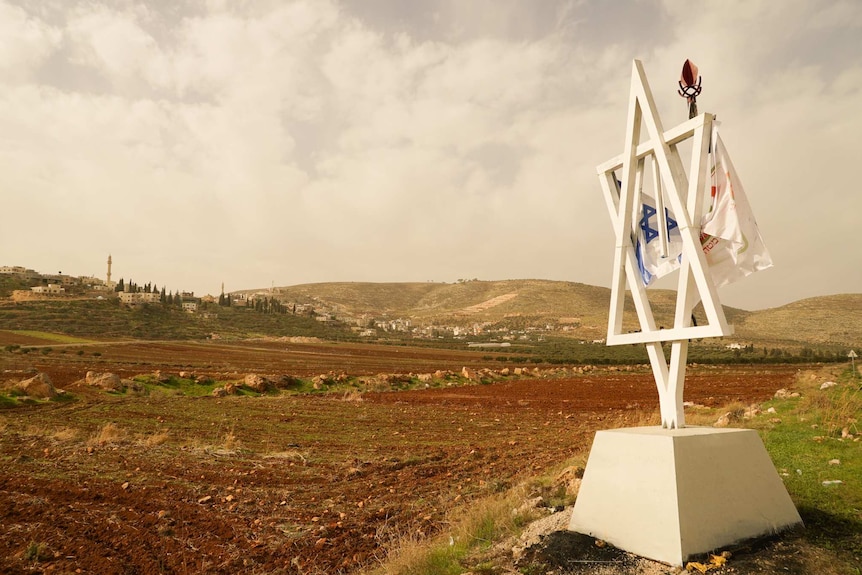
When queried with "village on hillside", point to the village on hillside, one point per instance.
{"points": [[60, 286], [473, 332]]}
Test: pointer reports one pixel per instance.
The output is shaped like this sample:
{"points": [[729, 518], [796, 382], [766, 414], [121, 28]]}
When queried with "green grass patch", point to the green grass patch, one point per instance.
{"points": [[52, 337], [808, 449], [813, 442], [7, 402]]}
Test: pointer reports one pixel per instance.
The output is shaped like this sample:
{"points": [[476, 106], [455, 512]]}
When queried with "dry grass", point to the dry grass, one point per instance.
{"points": [[157, 438], [838, 410], [230, 442], [108, 434], [289, 455], [353, 396], [476, 526], [65, 434], [639, 418]]}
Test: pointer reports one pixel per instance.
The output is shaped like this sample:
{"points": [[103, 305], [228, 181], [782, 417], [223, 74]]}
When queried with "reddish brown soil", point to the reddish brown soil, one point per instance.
{"points": [[68, 363], [291, 484]]}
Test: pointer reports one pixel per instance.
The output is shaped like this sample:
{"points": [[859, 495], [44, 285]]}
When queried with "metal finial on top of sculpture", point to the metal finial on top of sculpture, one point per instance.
{"points": [[689, 87]]}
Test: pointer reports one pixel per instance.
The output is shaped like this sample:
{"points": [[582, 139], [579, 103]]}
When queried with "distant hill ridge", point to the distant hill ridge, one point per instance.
{"points": [[824, 319]]}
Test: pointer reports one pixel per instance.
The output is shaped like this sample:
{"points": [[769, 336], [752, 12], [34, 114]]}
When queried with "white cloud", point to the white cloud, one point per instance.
{"points": [[27, 43], [314, 140]]}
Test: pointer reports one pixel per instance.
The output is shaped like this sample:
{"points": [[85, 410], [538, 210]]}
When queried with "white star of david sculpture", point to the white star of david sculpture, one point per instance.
{"points": [[684, 195]]}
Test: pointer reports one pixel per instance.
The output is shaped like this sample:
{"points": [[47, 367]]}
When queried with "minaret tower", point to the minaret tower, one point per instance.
{"points": [[108, 283]]}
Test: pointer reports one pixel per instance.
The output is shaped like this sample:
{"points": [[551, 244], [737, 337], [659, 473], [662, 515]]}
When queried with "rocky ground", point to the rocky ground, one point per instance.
{"points": [[324, 483]]}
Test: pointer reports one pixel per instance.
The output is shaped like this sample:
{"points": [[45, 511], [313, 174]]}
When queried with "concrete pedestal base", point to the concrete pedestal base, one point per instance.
{"points": [[670, 494]]}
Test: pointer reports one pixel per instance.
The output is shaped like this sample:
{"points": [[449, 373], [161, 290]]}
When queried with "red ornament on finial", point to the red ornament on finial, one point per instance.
{"points": [[689, 86]]}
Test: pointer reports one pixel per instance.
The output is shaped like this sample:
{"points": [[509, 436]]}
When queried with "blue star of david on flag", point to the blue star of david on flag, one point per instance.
{"points": [[650, 233], [652, 263]]}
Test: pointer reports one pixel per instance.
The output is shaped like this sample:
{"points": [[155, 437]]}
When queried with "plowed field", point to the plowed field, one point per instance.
{"points": [[289, 484]]}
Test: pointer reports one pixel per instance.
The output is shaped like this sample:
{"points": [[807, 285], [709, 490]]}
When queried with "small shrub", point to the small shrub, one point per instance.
{"points": [[157, 438], [353, 396], [230, 441], [37, 552], [109, 433], [65, 434]]}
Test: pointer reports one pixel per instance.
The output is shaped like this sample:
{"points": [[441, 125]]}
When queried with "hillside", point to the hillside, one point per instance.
{"points": [[835, 319], [551, 308], [109, 319], [505, 302]]}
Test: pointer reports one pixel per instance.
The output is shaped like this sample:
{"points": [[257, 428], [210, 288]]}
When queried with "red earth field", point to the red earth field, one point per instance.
{"points": [[321, 483]]}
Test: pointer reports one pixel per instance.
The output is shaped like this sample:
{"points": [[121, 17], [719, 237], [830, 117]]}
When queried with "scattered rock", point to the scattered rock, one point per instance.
{"points": [[827, 385], [468, 373], [324, 379], [834, 462], [107, 381], [257, 383], [527, 506], [219, 392], [537, 529], [833, 482], [726, 419], [571, 478], [751, 411], [39, 386], [771, 410], [205, 499], [131, 384], [287, 381]]}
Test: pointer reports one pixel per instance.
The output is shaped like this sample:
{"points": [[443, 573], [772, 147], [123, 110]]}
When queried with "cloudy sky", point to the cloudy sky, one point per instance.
{"points": [[286, 142]]}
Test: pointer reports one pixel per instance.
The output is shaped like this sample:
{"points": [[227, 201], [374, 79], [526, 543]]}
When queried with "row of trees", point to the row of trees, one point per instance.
{"points": [[262, 305], [165, 297], [132, 287]]}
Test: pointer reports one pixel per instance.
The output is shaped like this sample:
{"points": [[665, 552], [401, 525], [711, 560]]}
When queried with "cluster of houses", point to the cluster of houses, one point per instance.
{"points": [[367, 328], [63, 286], [57, 285]]}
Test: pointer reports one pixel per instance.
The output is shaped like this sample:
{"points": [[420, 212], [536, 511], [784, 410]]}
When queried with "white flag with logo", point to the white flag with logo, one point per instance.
{"points": [[730, 238]]}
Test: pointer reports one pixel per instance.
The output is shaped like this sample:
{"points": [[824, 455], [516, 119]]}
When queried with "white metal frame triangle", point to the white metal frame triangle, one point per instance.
{"points": [[684, 194]]}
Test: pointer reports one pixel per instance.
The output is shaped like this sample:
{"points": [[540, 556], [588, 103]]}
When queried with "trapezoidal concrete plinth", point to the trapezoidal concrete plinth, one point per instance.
{"points": [[670, 494]]}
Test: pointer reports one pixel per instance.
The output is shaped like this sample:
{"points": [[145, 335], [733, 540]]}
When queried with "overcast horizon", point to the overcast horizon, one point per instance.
{"points": [[289, 142]]}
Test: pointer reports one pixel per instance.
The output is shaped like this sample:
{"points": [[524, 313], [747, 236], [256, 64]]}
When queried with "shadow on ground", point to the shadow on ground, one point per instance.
{"points": [[828, 543]]}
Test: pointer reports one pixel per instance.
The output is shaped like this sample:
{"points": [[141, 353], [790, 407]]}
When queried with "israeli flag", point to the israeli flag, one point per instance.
{"points": [[652, 263]]}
